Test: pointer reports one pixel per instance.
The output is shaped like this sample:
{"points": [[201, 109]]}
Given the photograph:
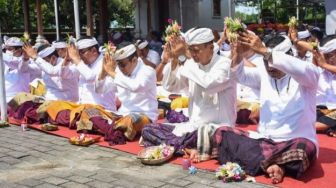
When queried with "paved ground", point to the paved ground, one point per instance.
{"points": [[35, 159]]}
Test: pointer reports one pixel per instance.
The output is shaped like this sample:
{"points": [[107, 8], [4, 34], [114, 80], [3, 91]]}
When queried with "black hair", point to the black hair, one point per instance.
{"points": [[317, 33], [327, 39], [274, 41], [132, 56]]}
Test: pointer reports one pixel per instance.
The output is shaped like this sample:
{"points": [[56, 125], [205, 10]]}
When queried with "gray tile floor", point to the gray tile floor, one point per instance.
{"points": [[35, 159]]}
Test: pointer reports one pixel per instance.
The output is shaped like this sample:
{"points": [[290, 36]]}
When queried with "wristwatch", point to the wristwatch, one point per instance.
{"points": [[182, 58], [268, 54]]}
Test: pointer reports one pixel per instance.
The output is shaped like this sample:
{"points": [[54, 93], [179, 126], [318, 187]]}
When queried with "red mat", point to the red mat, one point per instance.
{"points": [[321, 174]]}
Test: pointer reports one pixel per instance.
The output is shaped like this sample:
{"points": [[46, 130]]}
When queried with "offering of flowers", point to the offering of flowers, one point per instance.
{"points": [[293, 22], [82, 140], [25, 38], [160, 152], [3, 124], [49, 127], [314, 45], [173, 29], [232, 28], [70, 39], [156, 154], [230, 172], [110, 49]]}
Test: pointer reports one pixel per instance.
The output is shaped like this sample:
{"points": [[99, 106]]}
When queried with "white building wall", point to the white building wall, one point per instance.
{"points": [[206, 11], [194, 13]]}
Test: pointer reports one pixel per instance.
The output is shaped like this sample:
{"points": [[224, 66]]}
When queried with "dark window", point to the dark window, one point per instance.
{"points": [[216, 6]]}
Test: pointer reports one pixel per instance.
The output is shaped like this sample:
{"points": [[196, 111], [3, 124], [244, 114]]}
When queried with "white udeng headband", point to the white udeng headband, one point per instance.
{"points": [[85, 43], [328, 47], [143, 45], [284, 46], [59, 44], [303, 34], [47, 51]]}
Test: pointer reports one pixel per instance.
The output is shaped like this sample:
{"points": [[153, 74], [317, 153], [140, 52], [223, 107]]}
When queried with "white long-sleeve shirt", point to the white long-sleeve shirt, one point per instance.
{"points": [[326, 92], [87, 93], [16, 81], [245, 93], [153, 57], [61, 81], [291, 113], [18, 74], [136, 92], [212, 93]]}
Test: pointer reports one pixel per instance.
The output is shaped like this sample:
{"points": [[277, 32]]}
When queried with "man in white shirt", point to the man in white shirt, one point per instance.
{"points": [[61, 48], [300, 51], [212, 91], [61, 80], [148, 56], [286, 139], [19, 71], [89, 63], [135, 84], [326, 92]]}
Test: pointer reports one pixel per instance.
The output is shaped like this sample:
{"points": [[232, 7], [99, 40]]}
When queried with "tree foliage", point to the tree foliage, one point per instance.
{"points": [[11, 14]]}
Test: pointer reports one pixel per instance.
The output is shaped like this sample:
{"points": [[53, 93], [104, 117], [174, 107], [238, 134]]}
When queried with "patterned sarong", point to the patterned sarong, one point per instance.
{"points": [[132, 124], [256, 155]]}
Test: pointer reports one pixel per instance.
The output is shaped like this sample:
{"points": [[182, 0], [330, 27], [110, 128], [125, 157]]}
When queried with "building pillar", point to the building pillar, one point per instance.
{"points": [[89, 18], [103, 22], [25, 6], [40, 38]]}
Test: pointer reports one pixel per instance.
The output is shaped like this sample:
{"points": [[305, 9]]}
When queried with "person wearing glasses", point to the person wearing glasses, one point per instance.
{"points": [[135, 85], [89, 63]]}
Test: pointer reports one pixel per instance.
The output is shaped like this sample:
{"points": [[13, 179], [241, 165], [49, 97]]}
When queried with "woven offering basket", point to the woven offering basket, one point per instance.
{"points": [[144, 154], [49, 127], [86, 141]]}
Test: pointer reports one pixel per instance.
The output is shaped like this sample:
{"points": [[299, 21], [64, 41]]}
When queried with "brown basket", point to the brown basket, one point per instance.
{"points": [[4, 124], [142, 155], [49, 127]]}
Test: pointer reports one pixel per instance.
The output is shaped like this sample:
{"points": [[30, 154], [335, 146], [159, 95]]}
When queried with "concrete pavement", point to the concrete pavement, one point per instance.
{"points": [[36, 159]]}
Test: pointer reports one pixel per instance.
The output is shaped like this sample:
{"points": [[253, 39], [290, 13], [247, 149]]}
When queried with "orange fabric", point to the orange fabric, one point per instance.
{"points": [[132, 124]]}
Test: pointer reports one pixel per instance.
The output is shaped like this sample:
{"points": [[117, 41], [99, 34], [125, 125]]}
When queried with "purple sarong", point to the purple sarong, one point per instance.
{"points": [[156, 134]]}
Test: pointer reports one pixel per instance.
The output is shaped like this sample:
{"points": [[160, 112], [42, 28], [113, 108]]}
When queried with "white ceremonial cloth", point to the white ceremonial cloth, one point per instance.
{"points": [[136, 92], [291, 114]]}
